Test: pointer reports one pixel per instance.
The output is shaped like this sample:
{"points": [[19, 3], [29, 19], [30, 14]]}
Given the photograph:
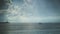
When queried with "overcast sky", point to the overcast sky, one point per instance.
{"points": [[34, 11]]}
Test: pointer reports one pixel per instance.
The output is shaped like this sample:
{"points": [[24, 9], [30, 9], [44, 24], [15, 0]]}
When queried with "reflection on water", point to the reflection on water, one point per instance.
{"points": [[30, 28]]}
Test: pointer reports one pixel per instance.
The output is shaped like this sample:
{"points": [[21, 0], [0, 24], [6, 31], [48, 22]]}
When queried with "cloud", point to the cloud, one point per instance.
{"points": [[34, 19], [27, 13]]}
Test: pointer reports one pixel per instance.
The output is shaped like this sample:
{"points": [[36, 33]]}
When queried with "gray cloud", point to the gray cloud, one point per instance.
{"points": [[37, 11]]}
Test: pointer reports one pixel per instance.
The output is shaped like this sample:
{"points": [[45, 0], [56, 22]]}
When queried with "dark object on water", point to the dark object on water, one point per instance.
{"points": [[40, 23], [3, 22]]}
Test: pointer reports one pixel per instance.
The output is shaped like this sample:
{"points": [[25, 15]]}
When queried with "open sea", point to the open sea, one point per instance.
{"points": [[30, 28]]}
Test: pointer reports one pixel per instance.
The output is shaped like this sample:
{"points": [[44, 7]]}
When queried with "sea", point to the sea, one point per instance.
{"points": [[30, 28]]}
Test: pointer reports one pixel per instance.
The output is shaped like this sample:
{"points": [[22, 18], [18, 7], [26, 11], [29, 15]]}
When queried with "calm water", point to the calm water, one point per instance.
{"points": [[30, 28]]}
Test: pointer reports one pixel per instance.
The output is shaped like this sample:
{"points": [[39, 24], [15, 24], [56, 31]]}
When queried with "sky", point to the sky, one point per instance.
{"points": [[3, 8], [28, 11]]}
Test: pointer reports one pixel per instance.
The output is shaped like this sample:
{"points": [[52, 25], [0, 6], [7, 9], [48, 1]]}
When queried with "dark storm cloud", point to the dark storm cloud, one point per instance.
{"points": [[3, 7], [2, 4]]}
